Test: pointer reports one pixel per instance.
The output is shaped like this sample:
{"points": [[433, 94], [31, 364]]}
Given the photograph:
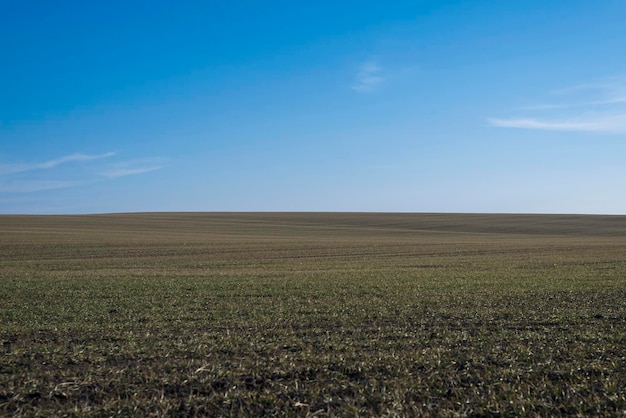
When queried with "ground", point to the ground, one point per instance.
{"points": [[312, 314]]}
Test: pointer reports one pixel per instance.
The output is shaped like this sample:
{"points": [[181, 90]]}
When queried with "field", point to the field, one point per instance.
{"points": [[304, 314]]}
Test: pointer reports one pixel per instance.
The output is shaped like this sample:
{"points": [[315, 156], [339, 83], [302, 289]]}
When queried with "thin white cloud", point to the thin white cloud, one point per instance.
{"points": [[593, 107], [368, 77], [600, 124], [613, 101], [30, 186], [121, 172], [132, 167], [73, 158], [6, 169], [608, 87], [28, 177]]}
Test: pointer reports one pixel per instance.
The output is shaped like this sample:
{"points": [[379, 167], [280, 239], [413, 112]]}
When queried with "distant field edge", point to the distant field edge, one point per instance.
{"points": [[490, 223]]}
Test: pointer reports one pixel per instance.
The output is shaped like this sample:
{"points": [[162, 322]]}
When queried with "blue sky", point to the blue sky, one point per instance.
{"points": [[404, 106]]}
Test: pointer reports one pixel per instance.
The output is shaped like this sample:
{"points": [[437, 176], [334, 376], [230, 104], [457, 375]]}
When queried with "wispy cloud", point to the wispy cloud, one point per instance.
{"points": [[369, 77], [20, 168], [600, 123], [591, 103], [121, 172], [133, 167], [594, 107], [30, 186], [73, 158], [607, 87], [52, 174]]}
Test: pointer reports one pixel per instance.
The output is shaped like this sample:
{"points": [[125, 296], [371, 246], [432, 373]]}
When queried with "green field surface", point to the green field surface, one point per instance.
{"points": [[312, 314]]}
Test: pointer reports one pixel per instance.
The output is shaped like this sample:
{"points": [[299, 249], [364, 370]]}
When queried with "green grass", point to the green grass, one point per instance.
{"points": [[312, 314]]}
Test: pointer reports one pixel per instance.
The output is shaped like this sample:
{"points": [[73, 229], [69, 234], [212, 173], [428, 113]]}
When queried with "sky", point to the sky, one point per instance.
{"points": [[367, 106]]}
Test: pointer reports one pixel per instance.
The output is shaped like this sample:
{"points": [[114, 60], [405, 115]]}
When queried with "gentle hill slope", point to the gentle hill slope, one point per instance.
{"points": [[297, 223]]}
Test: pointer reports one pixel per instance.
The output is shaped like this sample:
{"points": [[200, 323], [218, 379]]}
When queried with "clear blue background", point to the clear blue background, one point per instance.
{"points": [[449, 106]]}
